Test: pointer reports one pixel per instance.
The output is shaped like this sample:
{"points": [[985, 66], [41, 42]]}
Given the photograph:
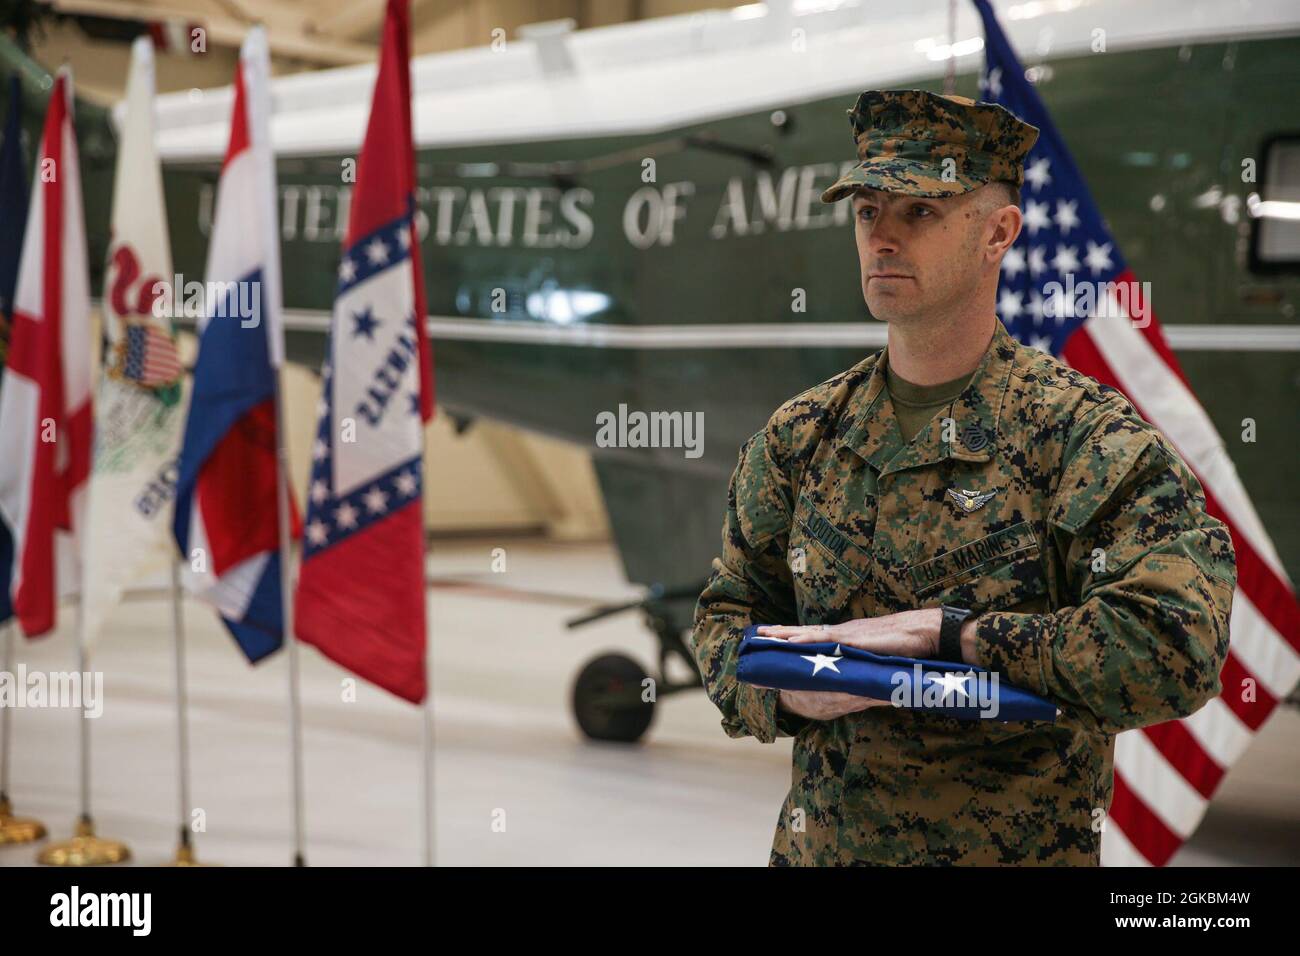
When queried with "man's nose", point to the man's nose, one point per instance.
{"points": [[883, 238]]}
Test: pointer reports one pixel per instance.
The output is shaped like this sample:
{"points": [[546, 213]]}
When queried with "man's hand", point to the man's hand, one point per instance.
{"points": [[905, 634], [825, 704]]}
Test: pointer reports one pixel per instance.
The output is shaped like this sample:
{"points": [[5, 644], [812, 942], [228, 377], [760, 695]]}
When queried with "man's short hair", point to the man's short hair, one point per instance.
{"points": [[1010, 192]]}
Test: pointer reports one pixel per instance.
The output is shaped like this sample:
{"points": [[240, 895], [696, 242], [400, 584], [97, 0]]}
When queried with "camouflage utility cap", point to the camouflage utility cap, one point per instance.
{"points": [[904, 136]]}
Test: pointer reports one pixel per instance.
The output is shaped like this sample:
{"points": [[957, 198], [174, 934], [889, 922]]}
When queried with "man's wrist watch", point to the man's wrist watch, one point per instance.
{"points": [[950, 632]]}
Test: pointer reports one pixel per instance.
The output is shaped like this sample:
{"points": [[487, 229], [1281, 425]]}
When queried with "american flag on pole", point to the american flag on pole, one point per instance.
{"points": [[360, 597], [1165, 774]]}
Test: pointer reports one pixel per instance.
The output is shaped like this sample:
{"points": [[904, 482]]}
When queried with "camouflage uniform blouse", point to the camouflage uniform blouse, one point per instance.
{"points": [[1098, 578]]}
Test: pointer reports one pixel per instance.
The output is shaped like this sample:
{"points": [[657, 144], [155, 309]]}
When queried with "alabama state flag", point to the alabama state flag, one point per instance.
{"points": [[45, 400]]}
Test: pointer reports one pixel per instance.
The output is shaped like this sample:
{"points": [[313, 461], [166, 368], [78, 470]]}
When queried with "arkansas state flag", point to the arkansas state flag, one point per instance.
{"points": [[226, 505], [360, 596], [45, 405]]}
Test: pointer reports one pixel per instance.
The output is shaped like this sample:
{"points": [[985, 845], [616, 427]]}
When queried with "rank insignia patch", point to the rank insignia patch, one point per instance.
{"points": [[974, 437]]}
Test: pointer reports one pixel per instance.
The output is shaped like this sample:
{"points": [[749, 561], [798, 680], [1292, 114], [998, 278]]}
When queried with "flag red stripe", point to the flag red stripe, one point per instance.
{"points": [[24, 346], [79, 430], [238, 120], [1146, 831], [1251, 713], [244, 459], [160, 359], [52, 307], [1184, 751], [1152, 331]]}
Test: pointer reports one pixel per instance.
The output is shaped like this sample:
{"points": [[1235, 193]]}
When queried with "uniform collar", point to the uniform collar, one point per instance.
{"points": [[874, 433]]}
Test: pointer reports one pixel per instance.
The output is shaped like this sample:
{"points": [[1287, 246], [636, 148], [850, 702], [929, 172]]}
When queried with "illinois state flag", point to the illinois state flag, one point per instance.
{"points": [[226, 505], [360, 596], [1066, 288], [138, 413], [45, 401]]}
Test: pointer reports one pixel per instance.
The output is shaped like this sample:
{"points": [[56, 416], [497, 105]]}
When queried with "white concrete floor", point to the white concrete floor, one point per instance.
{"points": [[506, 745]]}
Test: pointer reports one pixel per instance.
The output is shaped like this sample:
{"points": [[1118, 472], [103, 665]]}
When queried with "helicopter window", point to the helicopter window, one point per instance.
{"points": [[1275, 209]]}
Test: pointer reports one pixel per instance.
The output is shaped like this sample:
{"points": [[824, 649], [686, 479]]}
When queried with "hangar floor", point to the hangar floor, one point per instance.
{"points": [[506, 746]]}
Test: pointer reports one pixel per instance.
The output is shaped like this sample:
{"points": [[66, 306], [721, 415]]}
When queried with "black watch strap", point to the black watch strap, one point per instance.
{"points": [[950, 632]]}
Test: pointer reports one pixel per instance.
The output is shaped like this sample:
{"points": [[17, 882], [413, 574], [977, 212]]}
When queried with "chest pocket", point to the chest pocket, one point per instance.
{"points": [[828, 568], [1002, 571]]}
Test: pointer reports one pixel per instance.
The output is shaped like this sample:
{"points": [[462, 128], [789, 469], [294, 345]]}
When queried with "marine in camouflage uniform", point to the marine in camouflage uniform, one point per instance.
{"points": [[1096, 577]]}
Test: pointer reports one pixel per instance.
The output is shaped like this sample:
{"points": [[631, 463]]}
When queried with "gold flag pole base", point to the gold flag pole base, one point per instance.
{"points": [[18, 829], [185, 854], [84, 849]]}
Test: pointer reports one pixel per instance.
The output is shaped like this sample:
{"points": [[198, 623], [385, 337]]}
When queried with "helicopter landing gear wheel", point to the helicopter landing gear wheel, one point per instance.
{"points": [[607, 699]]}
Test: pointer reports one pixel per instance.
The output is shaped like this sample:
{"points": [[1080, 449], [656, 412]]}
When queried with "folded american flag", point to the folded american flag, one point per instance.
{"points": [[956, 690]]}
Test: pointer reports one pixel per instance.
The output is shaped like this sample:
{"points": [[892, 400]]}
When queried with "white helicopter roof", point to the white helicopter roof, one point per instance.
{"points": [[652, 75]]}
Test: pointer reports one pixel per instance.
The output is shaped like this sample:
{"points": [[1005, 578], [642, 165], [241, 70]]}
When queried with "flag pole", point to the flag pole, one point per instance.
{"points": [[185, 848], [85, 848], [286, 612], [427, 776], [255, 56], [12, 829], [950, 71]]}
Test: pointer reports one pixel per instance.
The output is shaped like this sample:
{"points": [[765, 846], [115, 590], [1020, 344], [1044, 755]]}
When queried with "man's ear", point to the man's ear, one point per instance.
{"points": [[1006, 222]]}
